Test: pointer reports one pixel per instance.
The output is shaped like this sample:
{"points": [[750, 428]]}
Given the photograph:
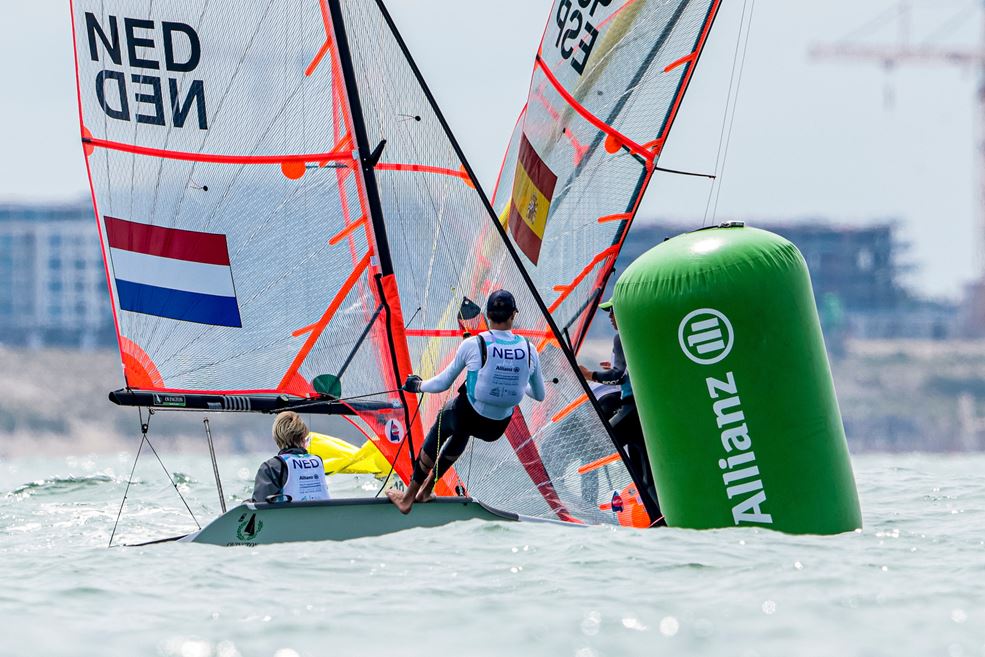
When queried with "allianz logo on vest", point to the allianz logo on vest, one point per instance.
{"points": [[706, 338]]}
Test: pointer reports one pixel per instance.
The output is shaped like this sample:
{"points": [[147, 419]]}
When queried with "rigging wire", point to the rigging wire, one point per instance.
{"points": [[171, 479], [143, 431], [396, 456], [731, 101], [728, 101], [735, 103]]}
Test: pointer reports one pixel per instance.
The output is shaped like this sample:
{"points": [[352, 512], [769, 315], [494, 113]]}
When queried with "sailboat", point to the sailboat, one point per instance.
{"points": [[288, 223]]}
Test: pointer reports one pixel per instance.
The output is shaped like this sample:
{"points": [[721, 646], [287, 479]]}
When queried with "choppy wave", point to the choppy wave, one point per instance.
{"points": [[907, 584], [61, 485]]}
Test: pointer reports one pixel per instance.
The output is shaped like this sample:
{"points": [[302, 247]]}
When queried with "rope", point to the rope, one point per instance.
{"points": [[735, 103], [400, 447], [171, 479], [730, 100], [332, 400]]}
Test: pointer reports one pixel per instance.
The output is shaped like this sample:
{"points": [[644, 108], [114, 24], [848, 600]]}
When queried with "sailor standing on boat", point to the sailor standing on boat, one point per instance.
{"points": [[293, 475], [625, 423], [500, 369]]}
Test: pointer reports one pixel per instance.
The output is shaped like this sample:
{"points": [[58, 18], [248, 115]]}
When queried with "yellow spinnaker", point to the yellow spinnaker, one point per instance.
{"points": [[341, 457]]}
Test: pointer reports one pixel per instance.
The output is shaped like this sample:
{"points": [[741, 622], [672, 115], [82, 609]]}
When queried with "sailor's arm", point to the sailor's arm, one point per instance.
{"points": [[446, 378], [535, 385], [616, 374]]}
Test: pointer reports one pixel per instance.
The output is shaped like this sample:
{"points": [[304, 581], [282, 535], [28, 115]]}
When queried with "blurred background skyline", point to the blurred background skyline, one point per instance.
{"points": [[870, 168], [846, 142]]}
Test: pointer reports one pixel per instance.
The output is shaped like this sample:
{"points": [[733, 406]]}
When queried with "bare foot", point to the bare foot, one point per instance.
{"points": [[400, 500]]}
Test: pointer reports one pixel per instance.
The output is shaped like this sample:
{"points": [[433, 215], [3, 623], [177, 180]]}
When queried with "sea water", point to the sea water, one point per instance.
{"points": [[912, 582]]}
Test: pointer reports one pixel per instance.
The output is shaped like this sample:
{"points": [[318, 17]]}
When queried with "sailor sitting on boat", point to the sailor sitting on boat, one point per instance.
{"points": [[500, 369], [293, 475]]}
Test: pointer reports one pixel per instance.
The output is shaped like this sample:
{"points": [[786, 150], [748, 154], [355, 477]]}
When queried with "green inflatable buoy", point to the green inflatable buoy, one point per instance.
{"points": [[728, 367]]}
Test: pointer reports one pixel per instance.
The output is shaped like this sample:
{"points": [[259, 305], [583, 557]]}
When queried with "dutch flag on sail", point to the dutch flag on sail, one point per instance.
{"points": [[168, 272]]}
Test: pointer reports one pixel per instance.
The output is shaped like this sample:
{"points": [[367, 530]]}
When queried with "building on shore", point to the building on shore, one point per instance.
{"points": [[857, 273], [52, 279], [53, 282]]}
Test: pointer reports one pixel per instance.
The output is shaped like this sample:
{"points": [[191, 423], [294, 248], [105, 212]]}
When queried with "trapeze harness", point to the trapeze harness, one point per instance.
{"points": [[305, 478], [485, 402]]}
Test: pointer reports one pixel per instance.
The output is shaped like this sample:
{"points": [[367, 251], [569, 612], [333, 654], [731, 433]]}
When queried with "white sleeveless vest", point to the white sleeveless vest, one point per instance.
{"points": [[305, 477], [503, 377]]}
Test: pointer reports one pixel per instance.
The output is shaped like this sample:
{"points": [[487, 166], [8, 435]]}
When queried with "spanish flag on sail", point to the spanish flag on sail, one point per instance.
{"points": [[533, 189]]}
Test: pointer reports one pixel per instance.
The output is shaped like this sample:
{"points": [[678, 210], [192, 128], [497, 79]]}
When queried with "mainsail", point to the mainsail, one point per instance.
{"points": [[280, 202], [607, 85]]}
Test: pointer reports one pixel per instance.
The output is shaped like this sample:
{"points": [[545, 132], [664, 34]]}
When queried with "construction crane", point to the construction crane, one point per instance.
{"points": [[903, 53]]}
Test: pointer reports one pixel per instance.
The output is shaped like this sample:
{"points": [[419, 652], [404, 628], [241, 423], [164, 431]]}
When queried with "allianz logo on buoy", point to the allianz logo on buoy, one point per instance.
{"points": [[705, 336]]}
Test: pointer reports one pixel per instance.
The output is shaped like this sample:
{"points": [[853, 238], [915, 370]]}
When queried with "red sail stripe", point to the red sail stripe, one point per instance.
{"points": [[680, 62], [194, 246], [208, 158], [457, 333], [421, 168], [591, 118], [326, 317]]}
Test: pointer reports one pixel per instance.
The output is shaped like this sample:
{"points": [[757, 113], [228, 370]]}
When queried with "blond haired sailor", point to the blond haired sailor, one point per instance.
{"points": [[293, 475]]}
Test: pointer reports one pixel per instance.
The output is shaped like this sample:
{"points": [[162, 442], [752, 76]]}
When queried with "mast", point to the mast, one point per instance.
{"points": [[651, 509], [367, 161]]}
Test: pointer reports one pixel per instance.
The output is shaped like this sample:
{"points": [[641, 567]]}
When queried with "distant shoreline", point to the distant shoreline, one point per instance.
{"points": [[895, 396]]}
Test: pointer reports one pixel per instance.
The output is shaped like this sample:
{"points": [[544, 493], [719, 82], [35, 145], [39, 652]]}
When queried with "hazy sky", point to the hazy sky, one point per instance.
{"points": [[810, 140]]}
